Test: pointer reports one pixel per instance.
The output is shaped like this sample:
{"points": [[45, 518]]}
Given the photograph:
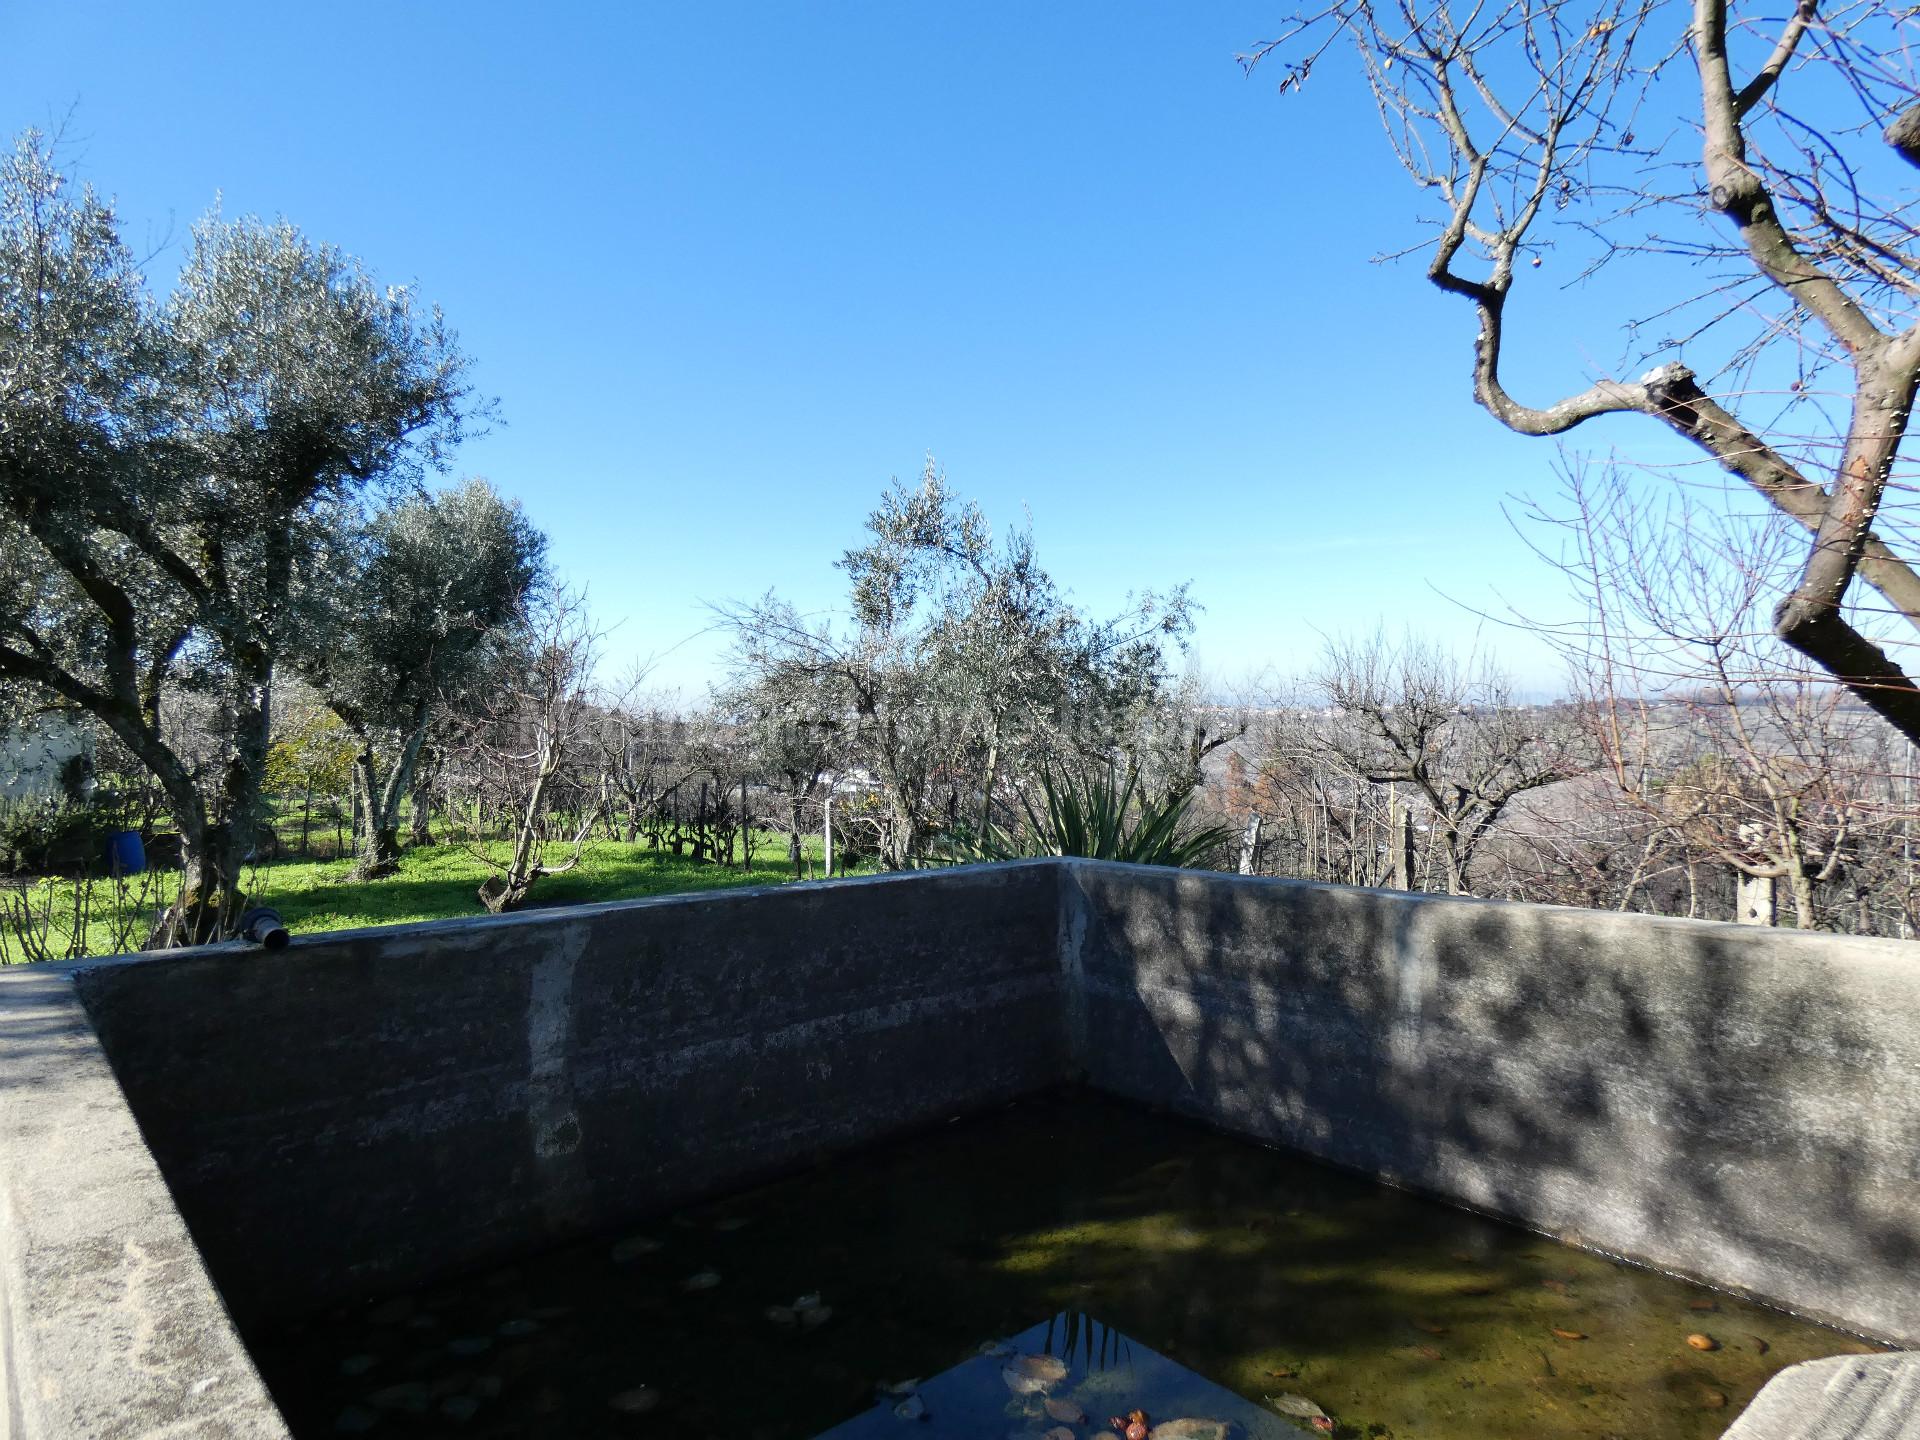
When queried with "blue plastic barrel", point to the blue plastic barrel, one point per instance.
{"points": [[125, 854]]}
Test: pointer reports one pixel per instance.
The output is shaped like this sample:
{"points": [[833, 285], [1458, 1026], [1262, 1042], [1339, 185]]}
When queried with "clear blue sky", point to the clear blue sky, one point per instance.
{"points": [[730, 267]]}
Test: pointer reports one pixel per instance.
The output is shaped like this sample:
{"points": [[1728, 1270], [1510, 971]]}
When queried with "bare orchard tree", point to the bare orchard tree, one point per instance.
{"points": [[1448, 734], [531, 730], [1732, 159], [793, 749], [1737, 751], [640, 738]]}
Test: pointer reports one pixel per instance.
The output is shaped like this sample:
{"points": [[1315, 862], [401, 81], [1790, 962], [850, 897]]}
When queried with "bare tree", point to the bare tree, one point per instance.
{"points": [[793, 748], [1776, 222], [536, 725], [1449, 733], [1744, 760]]}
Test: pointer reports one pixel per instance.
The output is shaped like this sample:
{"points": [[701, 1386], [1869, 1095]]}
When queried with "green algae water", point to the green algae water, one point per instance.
{"points": [[1041, 1272]]}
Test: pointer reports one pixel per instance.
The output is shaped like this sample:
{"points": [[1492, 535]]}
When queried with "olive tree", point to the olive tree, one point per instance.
{"points": [[962, 662], [173, 471], [416, 603]]}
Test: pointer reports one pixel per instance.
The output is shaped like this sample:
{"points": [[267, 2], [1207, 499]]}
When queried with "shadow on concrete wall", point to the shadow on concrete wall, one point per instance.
{"points": [[1729, 1104]]}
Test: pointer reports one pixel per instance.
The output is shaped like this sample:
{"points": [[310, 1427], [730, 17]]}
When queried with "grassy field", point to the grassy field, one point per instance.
{"points": [[433, 884]]}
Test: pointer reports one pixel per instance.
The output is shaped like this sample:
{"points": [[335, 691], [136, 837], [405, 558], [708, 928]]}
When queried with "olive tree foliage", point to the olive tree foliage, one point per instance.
{"points": [[1744, 165], [173, 472], [961, 669], [417, 604]]}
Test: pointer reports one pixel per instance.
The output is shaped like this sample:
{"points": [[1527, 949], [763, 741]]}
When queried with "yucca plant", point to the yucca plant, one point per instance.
{"points": [[1099, 817]]}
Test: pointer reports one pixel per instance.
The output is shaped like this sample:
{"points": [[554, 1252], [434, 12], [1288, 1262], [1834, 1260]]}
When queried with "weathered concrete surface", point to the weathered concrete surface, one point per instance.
{"points": [[363, 1110], [1738, 1105], [1850, 1397], [109, 1326]]}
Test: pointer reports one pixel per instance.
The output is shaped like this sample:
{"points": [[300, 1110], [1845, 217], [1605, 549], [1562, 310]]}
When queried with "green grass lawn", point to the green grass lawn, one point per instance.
{"points": [[432, 884]]}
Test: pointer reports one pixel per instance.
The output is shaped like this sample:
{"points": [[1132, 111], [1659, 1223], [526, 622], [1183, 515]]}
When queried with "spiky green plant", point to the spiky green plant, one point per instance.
{"points": [[1097, 816]]}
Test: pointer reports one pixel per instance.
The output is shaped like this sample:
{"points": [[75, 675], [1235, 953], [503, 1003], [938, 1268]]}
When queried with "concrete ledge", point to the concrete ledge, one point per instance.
{"points": [[109, 1326], [1850, 1397]]}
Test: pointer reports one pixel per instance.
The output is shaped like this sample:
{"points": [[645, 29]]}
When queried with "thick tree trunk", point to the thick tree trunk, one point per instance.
{"points": [[377, 831], [213, 851], [420, 832], [376, 838], [1805, 914], [209, 904]]}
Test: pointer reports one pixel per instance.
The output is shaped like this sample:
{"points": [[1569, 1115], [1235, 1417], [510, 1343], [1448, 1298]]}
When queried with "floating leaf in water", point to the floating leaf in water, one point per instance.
{"points": [[632, 1248], [1030, 1374], [1427, 1352], [1702, 1342], [808, 1302], [1297, 1407], [731, 1223], [783, 1316], [1058, 1432], [1285, 1372], [1713, 1399], [1463, 1257], [636, 1401], [814, 1316], [1570, 1334], [1558, 1287], [1431, 1327], [995, 1349], [1188, 1428], [704, 1280], [1760, 1347], [1702, 1305], [911, 1408], [905, 1387], [1065, 1410]]}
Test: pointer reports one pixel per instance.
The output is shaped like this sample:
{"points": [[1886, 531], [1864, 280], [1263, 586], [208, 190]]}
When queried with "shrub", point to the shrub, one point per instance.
{"points": [[1098, 817]]}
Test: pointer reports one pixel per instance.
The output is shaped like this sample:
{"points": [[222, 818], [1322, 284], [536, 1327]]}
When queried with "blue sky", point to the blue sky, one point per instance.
{"points": [[729, 267]]}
